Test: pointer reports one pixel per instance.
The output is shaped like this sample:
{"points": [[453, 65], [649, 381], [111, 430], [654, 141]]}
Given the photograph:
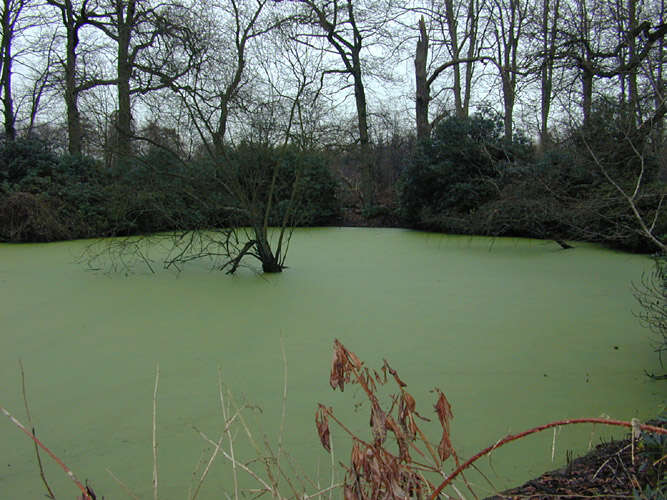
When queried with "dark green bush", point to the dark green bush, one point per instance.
{"points": [[26, 164], [463, 165], [317, 201], [249, 168], [31, 217]]}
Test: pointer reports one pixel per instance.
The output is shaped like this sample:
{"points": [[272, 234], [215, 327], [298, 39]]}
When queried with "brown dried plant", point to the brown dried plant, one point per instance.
{"points": [[375, 471]]}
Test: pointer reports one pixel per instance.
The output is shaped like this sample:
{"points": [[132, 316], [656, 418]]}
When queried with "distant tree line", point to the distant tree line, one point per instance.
{"points": [[541, 119]]}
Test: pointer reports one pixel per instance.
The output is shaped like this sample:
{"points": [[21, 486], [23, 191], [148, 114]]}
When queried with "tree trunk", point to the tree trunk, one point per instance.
{"points": [[124, 119], [472, 49], [362, 114], [508, 103], [364, 139], [270, 263], [74, 131], [454, 40], [422, 96], [226, 97], [633, 92], [362, 123], [587, 88], [546, 73], [8, 105], [661, 84]]}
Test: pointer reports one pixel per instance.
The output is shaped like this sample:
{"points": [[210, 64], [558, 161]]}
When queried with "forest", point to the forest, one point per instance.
{"points": [[485, 117], [214, 128]]}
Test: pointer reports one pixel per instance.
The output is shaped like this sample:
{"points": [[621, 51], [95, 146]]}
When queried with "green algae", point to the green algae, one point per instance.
{"points": [[516, 333]]}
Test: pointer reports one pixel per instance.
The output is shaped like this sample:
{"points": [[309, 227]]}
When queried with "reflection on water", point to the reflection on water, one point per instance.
{"points": [[516, 333]]}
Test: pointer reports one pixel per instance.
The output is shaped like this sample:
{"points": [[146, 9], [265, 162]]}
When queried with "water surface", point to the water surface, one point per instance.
{"points": [[516, 333]]}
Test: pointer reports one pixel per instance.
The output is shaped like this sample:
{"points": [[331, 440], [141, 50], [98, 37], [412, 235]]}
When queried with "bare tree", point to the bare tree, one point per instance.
{"points": [[347, 26], [9, 18], [74, 17], [654, 72], [600, 54], [246, 178], [508, 19], [463, 49], [549, 17], [422, 93], [148, 39], [469, 40], [42, 81]]}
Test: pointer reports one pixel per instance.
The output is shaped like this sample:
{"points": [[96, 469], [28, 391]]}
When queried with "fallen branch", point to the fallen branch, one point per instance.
{"points": [[68, 471], [534, 430]]}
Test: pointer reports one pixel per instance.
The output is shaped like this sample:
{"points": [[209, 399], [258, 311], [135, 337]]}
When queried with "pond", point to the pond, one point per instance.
{"points": [[516, 332]]}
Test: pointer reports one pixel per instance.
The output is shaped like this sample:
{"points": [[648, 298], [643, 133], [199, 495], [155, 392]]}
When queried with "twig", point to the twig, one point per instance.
{"points": [[328, 489], [618, 453], [125, 488], [242, 466], [155, 477], [333, 467], [217, 446], [514, 437], [229, 435], [50, 493], [67, 470], [553, 444], [485, 477], [258, 450], [280, 471], [208, 466], [284, 402]]}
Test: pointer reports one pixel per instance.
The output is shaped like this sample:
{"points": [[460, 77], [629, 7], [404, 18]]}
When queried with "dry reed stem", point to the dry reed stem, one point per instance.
{"points": [[328, 489], [242, 466], [214, 456], [258, 450], [553, 444], [50, 493], [155, 468], [208, 466], [282, 473], [514, 437], [458, 492], [195, 471], [486, 478], [333, 467], [124, 487], [229, 435], [305, 480], [465, 479], [284, 402], [67, 470]]}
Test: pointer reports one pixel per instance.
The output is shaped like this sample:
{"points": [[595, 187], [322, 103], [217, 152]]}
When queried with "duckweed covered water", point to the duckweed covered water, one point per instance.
{"points": [[516, 333]]}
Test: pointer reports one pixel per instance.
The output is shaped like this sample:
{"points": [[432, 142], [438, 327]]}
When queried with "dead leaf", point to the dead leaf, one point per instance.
{"points": [[395, 375], [378, 423], [444, 411], [338, 363], [322, 424], [354, 360], [349, 493], [407, 405], [357, 458], [445, 447]]}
